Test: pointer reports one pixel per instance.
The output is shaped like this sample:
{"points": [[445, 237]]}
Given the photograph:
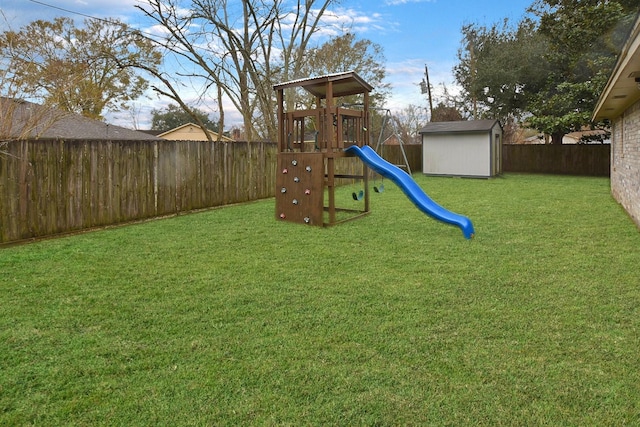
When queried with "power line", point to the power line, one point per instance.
{"points": [[108, 21], [66, 10]]}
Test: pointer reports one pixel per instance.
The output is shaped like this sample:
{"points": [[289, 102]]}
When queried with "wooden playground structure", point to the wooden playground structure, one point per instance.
{"points": [[307, 175]]}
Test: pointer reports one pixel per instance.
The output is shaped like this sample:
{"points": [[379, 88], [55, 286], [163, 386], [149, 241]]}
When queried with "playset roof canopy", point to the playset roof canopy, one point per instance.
{"points": [[343, 84]]}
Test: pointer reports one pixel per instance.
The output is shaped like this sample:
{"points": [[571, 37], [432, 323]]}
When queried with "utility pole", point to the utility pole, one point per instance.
{"points": [[426, 88]]}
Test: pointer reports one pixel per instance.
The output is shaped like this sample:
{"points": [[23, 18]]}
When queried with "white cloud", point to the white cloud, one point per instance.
{"points": [[400, 2]]}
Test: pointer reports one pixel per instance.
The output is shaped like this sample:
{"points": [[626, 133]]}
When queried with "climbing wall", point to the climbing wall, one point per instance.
{"points": [[300, 188]]}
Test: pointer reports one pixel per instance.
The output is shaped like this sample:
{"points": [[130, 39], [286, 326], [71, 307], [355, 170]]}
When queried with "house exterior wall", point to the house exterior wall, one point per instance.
{"points": [[457, 154], [625, 161], [188, 133]]}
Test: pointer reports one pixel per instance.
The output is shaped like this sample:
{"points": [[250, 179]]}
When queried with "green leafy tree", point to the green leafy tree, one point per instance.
{"points": [[583, 38], [497, 67], [174, 116], [548, 70], [76, 69]]}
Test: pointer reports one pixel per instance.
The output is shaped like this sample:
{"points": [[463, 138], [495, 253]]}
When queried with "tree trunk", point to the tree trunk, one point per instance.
{"points": [[556, 138], [221, 120]]}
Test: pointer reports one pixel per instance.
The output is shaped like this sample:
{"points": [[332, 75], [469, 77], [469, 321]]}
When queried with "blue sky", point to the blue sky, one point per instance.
{"points": [[412, 33], [418, 32]]}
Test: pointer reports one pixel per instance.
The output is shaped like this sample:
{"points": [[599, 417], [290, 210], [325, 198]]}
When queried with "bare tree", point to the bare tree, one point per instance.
{"points": [[20, 119], [409, 121], [241, 47]]}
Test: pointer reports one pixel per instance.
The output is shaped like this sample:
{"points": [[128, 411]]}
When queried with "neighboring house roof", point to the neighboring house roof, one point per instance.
{"points": [[596, 136], [623, 88], [21, 119], [533, 139], [191, 132], [469, 126], [152, 131]]}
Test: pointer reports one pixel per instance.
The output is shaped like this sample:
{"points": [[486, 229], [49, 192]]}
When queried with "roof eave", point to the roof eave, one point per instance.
{"points": [[621, 90]]}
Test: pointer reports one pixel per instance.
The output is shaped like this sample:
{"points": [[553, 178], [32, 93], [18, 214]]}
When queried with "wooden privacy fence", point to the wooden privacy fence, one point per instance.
{"points": [[54, 186], [393, 154], [50, 187], [567, 159]]}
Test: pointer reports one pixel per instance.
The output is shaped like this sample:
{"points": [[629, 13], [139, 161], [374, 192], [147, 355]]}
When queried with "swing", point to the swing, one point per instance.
{"points": [[358, 196], [378, 188]]}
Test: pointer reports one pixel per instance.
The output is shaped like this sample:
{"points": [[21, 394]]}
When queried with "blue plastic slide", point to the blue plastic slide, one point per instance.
{"points": [[411, 189]]}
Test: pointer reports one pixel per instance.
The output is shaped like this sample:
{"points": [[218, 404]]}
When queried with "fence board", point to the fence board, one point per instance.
{"points": [[166, 178]]}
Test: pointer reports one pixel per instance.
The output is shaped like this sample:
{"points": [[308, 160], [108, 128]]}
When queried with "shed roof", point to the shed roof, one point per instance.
{"points": [[621, 90], [344, 84], [469, 126]]}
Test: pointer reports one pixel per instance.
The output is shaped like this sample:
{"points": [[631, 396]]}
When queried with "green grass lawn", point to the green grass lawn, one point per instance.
{"points": [[229, 317]]}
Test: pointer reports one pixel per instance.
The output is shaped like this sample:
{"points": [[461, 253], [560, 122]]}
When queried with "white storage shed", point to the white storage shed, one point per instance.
{"points": [[470, 148]]}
